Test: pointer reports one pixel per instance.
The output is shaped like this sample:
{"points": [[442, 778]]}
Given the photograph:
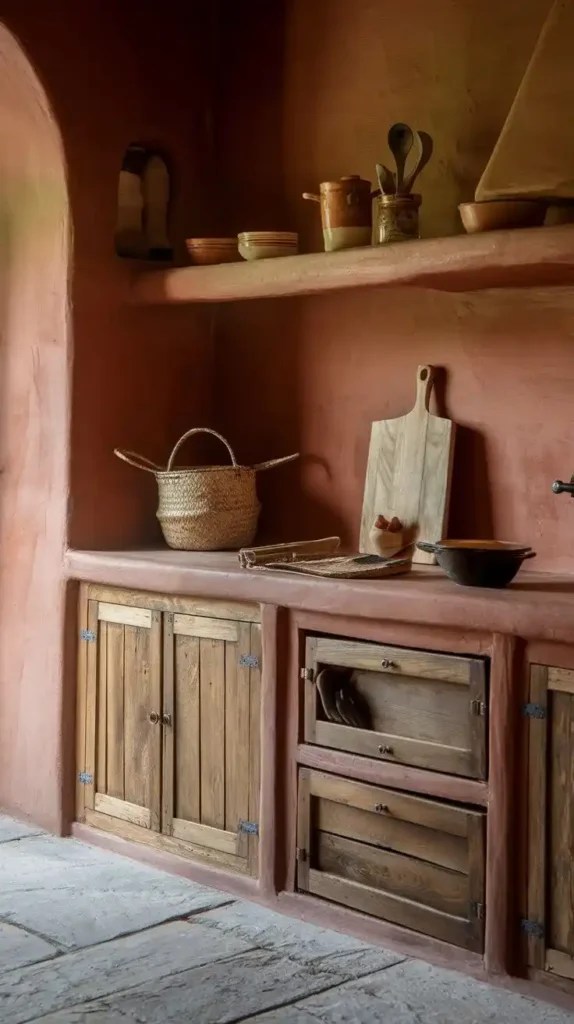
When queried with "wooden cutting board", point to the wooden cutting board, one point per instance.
{"points": [[409, 471], [534, 155]]}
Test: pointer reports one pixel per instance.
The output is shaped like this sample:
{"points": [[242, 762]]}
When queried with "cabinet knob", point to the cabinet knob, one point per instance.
{"points": [[387, 663], [153, 717], [383, 749], [166, 719], [381, 808]]}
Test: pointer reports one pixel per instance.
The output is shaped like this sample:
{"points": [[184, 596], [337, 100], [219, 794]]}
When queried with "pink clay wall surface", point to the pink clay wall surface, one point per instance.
{"points": [[104, 75], [323, 368]]}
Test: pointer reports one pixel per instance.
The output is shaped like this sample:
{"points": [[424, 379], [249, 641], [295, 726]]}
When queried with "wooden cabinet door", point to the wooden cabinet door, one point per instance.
{"points": [[120, 705], [407, 859], [211, 701], [427, 710], [549, 922]]}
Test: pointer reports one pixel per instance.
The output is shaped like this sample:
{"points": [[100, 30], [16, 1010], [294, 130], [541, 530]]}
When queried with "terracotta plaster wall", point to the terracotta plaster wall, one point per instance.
{"points": [[322, 368], [118, 73], [34, 444], [113, 74]]}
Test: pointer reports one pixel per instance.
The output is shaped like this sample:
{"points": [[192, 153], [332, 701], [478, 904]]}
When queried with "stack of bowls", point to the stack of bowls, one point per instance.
{"points": [[203, 251], [263, 245]]}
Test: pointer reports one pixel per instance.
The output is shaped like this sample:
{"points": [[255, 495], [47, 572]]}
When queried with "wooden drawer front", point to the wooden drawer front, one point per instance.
{"points": [[426, 710], [416, 862]]}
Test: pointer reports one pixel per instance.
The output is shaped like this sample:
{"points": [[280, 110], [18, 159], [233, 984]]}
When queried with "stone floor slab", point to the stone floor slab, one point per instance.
{"points": [[219, 993], [341, 955], [18, 948], [99, 971], [416, 993], [77, 895], [10, 829]]}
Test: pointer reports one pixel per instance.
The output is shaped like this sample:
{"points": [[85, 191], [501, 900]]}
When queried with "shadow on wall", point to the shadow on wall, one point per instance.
{"points": [[34, 438]]}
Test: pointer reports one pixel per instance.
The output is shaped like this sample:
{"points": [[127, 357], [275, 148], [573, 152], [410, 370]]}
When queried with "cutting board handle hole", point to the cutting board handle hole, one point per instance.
{"points": [[424, 373]]}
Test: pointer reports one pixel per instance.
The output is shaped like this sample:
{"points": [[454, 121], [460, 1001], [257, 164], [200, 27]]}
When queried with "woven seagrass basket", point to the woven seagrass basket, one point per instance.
{"points": [[205, 508]]}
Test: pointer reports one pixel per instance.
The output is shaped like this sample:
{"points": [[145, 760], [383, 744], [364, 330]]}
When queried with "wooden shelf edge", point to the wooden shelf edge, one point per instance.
{"points": [[527, 257]]}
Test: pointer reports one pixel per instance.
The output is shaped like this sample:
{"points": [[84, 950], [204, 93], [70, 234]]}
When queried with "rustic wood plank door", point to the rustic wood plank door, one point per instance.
{"points": [[407, 859], [211, 701], [119, 776], [549, 921], [427, 710]]}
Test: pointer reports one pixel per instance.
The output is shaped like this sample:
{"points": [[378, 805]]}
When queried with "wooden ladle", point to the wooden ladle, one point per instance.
{"points": [[400, 140], [424, 145]]}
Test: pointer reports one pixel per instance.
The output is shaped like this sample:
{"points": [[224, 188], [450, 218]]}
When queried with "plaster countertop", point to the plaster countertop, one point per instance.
{"points": [[535, 605]]}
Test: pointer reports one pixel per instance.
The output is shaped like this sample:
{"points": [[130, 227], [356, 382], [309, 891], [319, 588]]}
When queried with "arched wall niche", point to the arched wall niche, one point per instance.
{"points": [[35, 350]]}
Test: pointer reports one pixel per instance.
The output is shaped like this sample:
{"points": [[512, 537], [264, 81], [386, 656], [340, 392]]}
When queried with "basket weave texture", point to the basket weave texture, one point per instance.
{"points": [[205, 508]]}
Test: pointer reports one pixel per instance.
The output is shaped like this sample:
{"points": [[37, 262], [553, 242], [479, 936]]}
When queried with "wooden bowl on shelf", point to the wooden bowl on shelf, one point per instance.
{"points": [[498, 214], [264, 245], [206, 251]]}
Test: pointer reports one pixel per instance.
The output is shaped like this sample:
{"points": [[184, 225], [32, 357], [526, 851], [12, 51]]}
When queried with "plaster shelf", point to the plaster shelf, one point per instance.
{"points": [[529, 257]]}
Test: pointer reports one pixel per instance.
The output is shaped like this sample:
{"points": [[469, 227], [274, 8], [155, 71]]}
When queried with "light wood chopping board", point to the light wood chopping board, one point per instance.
{"points": [[409, 471], [534, 155]]}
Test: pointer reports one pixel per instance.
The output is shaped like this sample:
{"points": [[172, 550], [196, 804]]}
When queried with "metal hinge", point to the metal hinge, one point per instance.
{"points": [[85, 778], [249, 661], [477, 910], [533, 711], [532, 928], [301, 855], [477, 707], [308, 674], [88, 635], [250, 828]]}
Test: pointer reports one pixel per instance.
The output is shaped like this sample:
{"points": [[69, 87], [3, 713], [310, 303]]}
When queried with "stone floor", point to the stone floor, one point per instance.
{"points": [[87, 937]]}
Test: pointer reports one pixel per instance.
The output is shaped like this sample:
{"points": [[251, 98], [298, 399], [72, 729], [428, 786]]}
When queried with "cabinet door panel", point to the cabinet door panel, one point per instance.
{"points": [[122, 762], [211, 692], [408, 859], [550, 909]]}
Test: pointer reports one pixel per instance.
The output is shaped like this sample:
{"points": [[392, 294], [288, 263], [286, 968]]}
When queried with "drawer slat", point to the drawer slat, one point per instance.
{"points": [[423, 664], [400, 749], [389, 832], [418, 880], [407, 913], [402, 806]]}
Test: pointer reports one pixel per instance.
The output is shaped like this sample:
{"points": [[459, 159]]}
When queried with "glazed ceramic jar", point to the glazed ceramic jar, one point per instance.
{"points": [[346, 212], [397, 218]]}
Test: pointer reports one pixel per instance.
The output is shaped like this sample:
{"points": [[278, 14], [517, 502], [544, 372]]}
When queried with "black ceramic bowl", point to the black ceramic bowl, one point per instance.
{"points": [[479, 563]]}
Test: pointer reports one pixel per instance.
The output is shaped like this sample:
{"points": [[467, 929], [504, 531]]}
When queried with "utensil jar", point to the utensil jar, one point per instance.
{"points": [[397, 218], [346, 212]]}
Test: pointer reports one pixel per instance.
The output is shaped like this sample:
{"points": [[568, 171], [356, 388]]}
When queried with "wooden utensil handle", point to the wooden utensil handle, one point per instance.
{"points": [[425, 377]]}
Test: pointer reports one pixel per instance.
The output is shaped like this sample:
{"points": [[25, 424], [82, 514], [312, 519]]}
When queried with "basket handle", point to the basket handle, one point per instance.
{"points": [[139, 461], [275, 462], [200, 430]]}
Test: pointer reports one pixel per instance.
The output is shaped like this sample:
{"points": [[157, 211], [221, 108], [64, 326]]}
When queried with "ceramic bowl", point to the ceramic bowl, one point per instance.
{"points": [[204, 251], [497, 214], [479, 563], [263, 245]]}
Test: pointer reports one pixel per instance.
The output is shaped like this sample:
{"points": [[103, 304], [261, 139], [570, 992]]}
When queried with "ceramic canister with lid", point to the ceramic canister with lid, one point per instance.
{"points": [[346, 212]]}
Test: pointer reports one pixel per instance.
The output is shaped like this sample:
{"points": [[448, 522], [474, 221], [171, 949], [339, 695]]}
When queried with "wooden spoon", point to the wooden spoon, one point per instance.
{"points": [[400, 141], [386, 180], [425, 147]]}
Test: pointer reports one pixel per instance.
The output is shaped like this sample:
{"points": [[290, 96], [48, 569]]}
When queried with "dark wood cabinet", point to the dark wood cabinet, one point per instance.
{"points": [[427, 710], [549, 919]]}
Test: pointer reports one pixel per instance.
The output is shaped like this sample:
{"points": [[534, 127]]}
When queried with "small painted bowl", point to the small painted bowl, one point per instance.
{"points": [[262, 245], [205, 251]]}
